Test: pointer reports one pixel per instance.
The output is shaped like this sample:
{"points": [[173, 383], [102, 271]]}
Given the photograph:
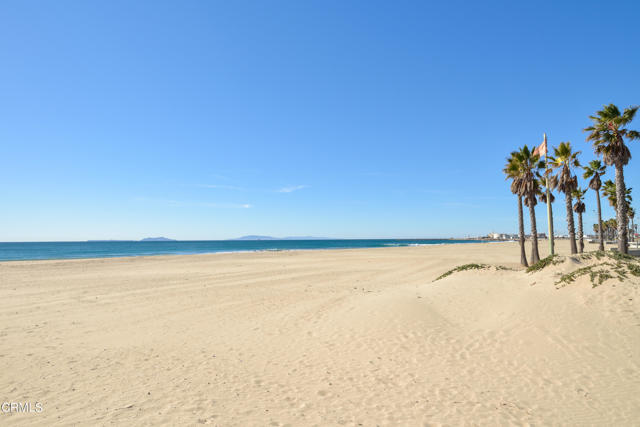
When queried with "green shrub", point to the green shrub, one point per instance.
{"points": [[463, 268], [544, 262]]}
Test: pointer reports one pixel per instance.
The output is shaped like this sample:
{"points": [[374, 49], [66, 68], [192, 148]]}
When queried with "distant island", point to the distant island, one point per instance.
{"points": [[157, 239], [255, 237]]}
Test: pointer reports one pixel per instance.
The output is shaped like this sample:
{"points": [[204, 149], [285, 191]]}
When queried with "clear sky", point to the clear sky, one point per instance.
{"points": [[215, 119]]}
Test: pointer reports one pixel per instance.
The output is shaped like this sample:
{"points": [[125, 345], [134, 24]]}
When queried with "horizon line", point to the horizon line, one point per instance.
{"points": [[266, 238]]}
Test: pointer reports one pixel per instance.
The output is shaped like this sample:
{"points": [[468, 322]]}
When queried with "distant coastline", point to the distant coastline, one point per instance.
{"points": [[146, 239], [157, 239]]}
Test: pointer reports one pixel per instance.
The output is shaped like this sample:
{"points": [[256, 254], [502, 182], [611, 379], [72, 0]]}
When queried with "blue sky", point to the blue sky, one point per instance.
{"points": [[207, 120]]}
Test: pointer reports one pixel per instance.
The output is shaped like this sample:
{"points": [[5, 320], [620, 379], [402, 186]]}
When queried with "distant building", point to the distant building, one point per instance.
{"points": [[502, 236]]}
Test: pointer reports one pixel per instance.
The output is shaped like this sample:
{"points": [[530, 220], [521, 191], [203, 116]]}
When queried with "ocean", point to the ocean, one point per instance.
{"points": [[13, 251]]}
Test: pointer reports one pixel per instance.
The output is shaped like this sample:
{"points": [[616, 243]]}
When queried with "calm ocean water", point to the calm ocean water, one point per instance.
{"points": [[65, 250]]}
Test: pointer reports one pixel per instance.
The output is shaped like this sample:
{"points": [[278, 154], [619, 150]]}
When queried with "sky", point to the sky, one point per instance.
{"points": [[360, 119]]}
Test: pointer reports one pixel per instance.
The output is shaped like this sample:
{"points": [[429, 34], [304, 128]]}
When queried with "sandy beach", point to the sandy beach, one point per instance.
{"points": [[329, 337]]}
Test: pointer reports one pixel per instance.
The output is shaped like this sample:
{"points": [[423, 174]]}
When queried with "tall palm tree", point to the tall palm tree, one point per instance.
{"points": [[605, 228], [578, 208], [551, 183], [565, 159], [513, 172], [631, 214], [595, 170], [528, 186], [607, 133], [612, 228], [610, 191], [611, 225]]}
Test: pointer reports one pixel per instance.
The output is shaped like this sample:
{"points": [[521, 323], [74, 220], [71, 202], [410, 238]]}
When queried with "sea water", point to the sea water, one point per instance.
{"points": [[106, 249]]}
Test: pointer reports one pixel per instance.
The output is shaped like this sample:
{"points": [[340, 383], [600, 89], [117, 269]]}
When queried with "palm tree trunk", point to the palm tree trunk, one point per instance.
{"points": [[535, 256], [570, 225], [551, 235], [600, 233], [621, 209], [551, 225], [523, 254], [580, 235]]}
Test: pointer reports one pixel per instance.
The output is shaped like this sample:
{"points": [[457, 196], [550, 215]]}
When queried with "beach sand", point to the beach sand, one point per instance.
{"points": [[330, 337]]}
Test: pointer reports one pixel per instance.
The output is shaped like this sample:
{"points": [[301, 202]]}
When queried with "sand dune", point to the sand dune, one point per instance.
{"points": [[336, 337]]}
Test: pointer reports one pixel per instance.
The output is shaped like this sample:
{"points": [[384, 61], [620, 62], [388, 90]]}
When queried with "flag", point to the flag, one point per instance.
{"points": [[542, 149]]}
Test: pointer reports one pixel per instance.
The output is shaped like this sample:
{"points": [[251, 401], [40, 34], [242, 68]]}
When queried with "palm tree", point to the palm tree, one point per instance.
{"points": [[605, 228], [528, 187], [595, 170], [551, 183], [609, 190], [607, 133], [631, 214], [565, 159], [513, 172], [578, 208], [611, 227]]}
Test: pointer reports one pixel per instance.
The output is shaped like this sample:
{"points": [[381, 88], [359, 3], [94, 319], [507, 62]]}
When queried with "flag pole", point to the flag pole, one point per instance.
{"points": [[549, 220]]}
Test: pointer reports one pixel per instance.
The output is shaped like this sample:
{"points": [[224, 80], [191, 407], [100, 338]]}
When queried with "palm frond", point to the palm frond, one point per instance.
{"points": [[607, 133]]}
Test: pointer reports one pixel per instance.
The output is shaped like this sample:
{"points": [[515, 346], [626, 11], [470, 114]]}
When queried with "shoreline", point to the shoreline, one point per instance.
{"points": [[390, 246]]}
